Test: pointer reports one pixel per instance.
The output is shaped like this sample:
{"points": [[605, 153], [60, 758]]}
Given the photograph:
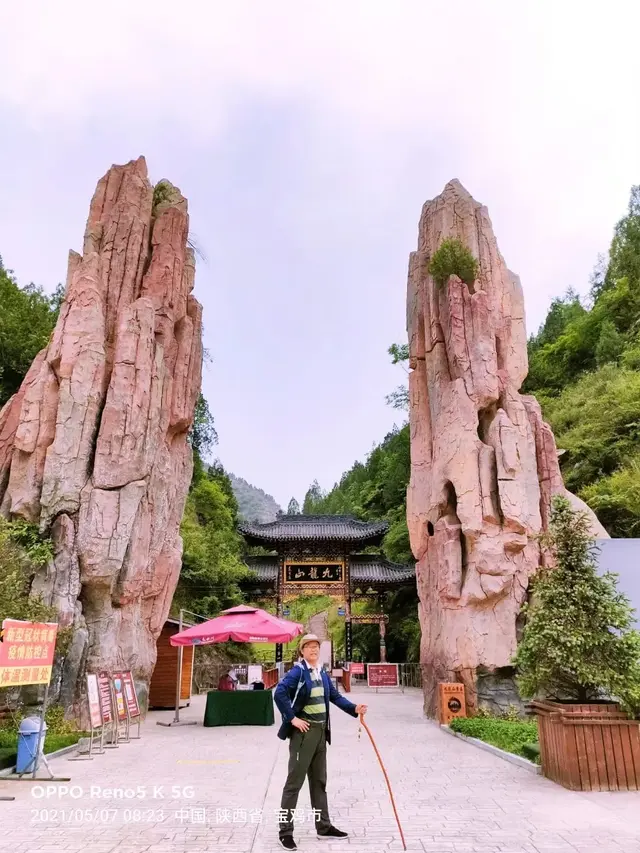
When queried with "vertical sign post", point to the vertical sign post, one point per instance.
{"points": [[348, 625]]}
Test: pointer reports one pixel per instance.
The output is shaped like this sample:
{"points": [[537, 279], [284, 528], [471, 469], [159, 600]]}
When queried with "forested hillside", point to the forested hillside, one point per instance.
{"points": [[584, 367], [253, 503]]}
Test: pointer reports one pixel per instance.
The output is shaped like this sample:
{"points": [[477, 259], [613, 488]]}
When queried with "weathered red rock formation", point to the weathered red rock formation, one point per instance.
{"points": [[484, 464], [93, 447]]}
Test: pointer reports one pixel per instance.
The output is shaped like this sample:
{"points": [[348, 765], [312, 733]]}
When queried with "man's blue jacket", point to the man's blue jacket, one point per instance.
{"points": [[292, 694]]}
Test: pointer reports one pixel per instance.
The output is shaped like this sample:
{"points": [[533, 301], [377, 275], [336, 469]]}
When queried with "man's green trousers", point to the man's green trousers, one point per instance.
{"points": [[307, 757]]}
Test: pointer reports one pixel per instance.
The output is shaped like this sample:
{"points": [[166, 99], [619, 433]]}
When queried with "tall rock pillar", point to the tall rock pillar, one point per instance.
{"points": [[484, 464], [93, 447]]}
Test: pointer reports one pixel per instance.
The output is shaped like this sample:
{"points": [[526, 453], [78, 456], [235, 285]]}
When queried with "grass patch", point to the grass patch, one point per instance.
{"points": [[512, 736], [52, 743]]}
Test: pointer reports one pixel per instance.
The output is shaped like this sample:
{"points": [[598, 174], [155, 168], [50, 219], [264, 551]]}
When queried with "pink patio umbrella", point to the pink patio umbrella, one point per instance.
{"points": [[242, 624]]}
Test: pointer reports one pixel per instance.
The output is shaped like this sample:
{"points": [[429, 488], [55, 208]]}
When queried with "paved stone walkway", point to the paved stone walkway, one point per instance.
{"points": [[221, 787]]}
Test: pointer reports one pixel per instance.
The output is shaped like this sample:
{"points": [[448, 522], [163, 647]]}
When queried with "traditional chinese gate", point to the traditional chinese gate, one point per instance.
{"points": [[318, 555]]}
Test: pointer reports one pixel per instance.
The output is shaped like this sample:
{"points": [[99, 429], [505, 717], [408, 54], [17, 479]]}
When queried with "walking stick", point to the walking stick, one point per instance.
{"points": [[373, 743]]}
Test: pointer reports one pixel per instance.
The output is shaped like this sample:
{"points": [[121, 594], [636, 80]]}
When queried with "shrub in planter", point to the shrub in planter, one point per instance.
{"points": [[580, 651]]}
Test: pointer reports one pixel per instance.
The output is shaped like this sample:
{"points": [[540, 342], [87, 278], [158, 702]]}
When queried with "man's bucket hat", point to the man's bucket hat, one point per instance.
{"points": [[308, 638]]}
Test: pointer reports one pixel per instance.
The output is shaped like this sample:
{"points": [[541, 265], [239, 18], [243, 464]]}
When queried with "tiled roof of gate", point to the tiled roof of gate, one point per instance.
{"points": [[365, 569], [297, 528], [373, 569]]}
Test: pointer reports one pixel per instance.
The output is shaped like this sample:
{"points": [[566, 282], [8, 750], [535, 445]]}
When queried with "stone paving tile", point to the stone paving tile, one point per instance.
{"points": [[451, 797]]}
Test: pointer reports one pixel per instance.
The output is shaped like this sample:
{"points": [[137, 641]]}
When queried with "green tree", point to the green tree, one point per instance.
{"points": [[610, 344], [399, 399], [203, 435], [624, 254], [596, 420], [616, 499], [574, 340], [452, 257], [398, 353], [22, 552], [211, 560], [312, 499], [578, 643], [293, 508], [27, 318]]}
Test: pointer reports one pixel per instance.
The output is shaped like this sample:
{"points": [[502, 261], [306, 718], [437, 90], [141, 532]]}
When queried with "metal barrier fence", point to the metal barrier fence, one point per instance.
{"points": [[409, 675], [207, 674]]}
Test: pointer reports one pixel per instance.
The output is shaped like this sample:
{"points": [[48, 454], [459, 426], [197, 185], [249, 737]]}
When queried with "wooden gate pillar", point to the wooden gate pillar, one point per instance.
{"points": [[348, 635], [279, 580]]}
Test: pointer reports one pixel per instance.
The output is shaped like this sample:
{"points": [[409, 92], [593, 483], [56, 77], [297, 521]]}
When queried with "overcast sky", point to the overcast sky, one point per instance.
{"points": [[306, 137]]}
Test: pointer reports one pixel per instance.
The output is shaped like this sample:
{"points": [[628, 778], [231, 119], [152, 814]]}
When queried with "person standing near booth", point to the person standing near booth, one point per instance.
{"points": [[303, 698], [226, 682]]}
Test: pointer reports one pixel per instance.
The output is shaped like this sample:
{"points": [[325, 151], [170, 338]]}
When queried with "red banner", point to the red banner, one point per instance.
{"points": [[382, 675], [130, 694], [26, 652], [106, 701]]}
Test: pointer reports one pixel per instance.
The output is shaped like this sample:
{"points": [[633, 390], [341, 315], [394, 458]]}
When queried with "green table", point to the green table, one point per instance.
{"points": [[239, 708]]}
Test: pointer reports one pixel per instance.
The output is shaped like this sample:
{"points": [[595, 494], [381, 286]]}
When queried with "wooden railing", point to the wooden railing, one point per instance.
{"points": [[269, 678]]}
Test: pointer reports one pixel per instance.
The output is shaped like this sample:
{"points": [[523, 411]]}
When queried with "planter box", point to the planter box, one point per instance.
{"points": [[592, 747]]}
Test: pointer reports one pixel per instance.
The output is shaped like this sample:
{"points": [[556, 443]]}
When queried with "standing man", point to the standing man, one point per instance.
{"points": [[303, 698]]}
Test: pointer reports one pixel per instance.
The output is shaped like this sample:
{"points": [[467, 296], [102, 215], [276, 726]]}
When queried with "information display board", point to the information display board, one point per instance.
{"points": [[130, 694], [106, 699], [451, 702], [93, 695], [356, 668], [254, 673], [382, 675], [117, 679]]}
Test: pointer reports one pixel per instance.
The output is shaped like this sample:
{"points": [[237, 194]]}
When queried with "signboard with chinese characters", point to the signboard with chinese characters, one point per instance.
{"points": [[106, 700], [93, 697], [451, 702], [356, 668], [26, 652], [313, 573], [382, 675], [130, 694], [118, 694]]}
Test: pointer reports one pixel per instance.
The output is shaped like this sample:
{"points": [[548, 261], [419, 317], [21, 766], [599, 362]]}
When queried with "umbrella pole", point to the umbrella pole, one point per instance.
{"points": [[179, 680], [176, 720]]}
